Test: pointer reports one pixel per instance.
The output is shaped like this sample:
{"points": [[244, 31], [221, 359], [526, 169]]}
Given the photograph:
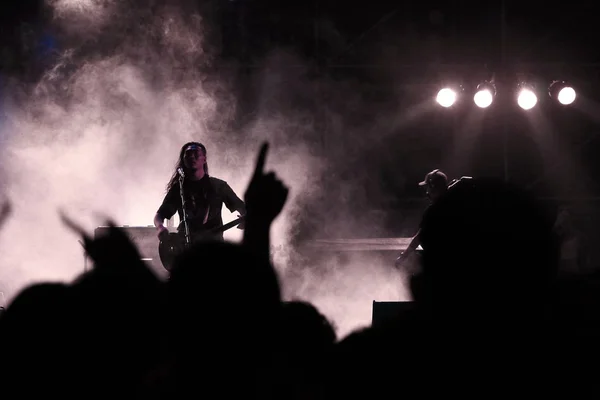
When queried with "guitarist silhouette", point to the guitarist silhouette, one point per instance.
{"points": [[436, 185], [198, 199]]}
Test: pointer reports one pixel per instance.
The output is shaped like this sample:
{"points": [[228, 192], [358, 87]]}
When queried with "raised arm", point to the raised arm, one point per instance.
{"points": [[265, 197]]}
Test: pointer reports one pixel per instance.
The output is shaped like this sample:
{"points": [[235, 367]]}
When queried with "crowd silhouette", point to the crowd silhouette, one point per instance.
{"points": [[492, 316]]}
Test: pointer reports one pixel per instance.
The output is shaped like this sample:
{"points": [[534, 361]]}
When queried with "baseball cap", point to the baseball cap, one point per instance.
{"points": [[435, 178]]}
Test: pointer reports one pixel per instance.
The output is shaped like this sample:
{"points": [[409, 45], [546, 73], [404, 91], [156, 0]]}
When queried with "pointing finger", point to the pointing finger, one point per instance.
{"points": [[261, 160]]}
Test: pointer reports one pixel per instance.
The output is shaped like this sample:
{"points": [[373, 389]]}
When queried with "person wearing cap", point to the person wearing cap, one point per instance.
{"points": [[435, 184]]}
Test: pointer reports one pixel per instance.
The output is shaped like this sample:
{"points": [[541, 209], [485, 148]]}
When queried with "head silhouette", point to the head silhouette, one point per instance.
{"points": [[218, 289], [182, 164]]}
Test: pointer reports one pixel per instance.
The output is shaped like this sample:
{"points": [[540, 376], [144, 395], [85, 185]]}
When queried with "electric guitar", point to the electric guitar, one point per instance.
{"points": [[174, 244]]}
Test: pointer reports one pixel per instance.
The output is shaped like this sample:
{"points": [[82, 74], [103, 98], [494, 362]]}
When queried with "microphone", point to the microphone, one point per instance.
{"points": [[180, 172]]}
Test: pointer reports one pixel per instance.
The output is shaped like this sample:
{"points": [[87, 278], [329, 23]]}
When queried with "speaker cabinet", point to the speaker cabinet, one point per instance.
{"points": [[146, 240]]}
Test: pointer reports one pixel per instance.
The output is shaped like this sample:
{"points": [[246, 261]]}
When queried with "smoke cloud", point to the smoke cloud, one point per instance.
{"points": [[100, 132]]}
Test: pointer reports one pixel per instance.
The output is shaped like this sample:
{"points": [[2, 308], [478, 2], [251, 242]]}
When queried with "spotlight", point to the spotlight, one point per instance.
{"points": [[562, 92], [526, 98], [485, 95], [446, 97]]}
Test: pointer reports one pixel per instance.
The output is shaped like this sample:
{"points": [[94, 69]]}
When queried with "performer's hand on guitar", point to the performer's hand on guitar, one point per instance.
{"points": [[242, 224], [163, 232]]}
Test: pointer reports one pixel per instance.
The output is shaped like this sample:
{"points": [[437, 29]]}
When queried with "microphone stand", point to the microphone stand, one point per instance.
{"points": [[188, 240]]}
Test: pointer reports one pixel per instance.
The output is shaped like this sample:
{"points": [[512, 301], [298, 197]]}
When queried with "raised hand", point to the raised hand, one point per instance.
{"points": [[266, 194], [114, 250]]}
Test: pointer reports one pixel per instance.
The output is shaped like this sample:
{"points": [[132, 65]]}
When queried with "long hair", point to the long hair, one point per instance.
{"points": [[180, 164]]}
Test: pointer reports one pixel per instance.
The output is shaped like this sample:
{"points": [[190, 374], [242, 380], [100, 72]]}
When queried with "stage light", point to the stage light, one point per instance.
{"points": [[566, 95], [526, 98], [446, 97], [485, 95], [562, 92]]}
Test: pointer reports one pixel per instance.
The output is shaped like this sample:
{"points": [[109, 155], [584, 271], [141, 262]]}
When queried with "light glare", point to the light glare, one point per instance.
{"points": [[566, 95], [483, 98], [446, 97], [527, 99]]}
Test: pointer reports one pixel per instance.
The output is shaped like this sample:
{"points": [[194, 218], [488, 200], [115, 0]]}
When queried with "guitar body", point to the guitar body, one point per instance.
{"points": [[174, 244], [169, 248]]}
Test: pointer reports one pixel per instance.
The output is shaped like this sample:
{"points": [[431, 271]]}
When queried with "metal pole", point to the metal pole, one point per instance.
{"points": [[503, 66]]}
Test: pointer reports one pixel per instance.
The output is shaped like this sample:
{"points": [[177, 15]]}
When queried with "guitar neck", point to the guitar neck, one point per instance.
{"points": [[229, 225]]}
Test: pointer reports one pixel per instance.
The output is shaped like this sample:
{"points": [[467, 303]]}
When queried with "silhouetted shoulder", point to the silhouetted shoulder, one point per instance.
{"points": [[216, 182]]}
